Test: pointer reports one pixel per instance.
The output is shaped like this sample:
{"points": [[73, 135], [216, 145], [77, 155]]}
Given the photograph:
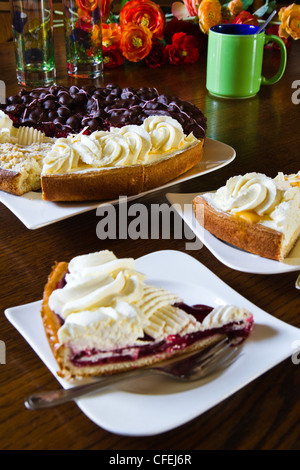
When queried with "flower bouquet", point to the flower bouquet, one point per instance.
{"points": [[143, 31]]}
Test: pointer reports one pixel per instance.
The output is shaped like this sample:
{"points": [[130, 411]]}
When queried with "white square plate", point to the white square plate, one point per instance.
{"points": [[230, 255], [34, 213], [149, 406]]}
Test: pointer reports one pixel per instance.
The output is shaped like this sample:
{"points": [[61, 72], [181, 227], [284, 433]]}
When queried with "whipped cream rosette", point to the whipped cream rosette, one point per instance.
{"points": [[158, 137]]}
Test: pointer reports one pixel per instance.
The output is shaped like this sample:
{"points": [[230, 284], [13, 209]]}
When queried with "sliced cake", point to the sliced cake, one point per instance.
{"points": [[100, 317], [22, 152], [107, 142], [121, 161], [253, 212]]}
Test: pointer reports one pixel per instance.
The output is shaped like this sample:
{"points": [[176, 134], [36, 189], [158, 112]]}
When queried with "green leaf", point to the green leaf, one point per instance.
{"points": [[123, 3], [247, 4], [268, 7]]}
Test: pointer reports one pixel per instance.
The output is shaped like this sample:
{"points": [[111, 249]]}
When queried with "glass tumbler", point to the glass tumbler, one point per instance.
{"points": [[32, 25], [83, 36]]}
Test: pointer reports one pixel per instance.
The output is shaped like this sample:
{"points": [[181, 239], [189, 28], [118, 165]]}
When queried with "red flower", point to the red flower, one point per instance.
{"points": [[246, 18], [177, 26], [84, 23], [156, 56], [274, 29], [145, 13], [112, 56], [183, 49]]}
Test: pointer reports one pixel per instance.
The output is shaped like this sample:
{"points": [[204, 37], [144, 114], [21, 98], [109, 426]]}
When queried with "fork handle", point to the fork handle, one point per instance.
{"points": [[52, 398]]}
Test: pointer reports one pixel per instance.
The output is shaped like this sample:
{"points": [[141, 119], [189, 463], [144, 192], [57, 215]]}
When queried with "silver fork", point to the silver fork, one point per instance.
{"points": [[189, 368]]}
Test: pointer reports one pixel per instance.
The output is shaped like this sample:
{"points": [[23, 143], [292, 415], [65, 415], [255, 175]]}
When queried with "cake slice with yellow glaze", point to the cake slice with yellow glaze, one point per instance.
{"points": [[254, 212]]}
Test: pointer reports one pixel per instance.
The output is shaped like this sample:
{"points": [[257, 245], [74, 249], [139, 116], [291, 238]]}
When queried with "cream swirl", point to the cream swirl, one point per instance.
{"points": [[88, 149], [250, 192], [61, 158], [115, 150], [225, 314], [125, 146], [166, 134], [95, 281], [138, 141]]}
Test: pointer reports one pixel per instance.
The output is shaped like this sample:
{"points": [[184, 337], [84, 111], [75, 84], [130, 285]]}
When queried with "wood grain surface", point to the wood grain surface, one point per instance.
{"points": [[264, 415]]}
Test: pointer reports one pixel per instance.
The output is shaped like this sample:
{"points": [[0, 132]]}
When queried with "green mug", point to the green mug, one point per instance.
{"points": [[235, 58]]}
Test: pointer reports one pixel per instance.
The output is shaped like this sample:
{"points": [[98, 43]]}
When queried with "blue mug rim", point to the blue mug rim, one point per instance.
{"points": [[235, 29]]}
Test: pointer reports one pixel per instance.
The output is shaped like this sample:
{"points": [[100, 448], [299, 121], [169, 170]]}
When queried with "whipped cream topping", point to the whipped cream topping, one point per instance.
{"points": [[158, 137], [166, 134], [292, 179], [257, 193], [106, 304], [225, 314], [252, 191], [5, 128], [23, 135]]}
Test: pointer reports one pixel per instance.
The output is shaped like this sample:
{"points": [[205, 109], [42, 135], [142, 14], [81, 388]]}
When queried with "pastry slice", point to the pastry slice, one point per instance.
{"points": [[22, 152], [253, 212], [101, 316]]}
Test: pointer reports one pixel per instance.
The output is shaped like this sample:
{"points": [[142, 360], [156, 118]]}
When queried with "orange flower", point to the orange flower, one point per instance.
{"points": [[145, 13], [235, 7], [87, 5], [210, 14], [290, 21], [136, 42], [111, 34], [96, 35]]}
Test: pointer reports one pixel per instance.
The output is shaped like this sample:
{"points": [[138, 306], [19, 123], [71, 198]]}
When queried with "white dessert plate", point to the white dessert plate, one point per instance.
{"points": [[153, 405], [34, 213], [229, 255]]}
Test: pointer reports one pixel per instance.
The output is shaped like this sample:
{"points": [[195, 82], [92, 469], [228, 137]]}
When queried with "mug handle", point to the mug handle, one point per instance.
{"points": [[283, 59]]}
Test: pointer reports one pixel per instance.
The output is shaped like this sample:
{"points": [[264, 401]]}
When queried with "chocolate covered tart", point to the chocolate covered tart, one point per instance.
{"points": [[101, 317]]}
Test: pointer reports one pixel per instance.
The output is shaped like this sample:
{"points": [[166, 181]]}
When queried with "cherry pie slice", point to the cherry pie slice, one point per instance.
{"points": [[101, 316]]}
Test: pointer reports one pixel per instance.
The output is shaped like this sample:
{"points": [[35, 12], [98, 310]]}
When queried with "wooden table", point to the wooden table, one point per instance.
{"points": [[264, 131]]}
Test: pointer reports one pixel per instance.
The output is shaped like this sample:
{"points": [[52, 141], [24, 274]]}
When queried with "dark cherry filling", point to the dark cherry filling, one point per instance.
{"points": [[235, 332], [59, 111], [170, 344]]}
